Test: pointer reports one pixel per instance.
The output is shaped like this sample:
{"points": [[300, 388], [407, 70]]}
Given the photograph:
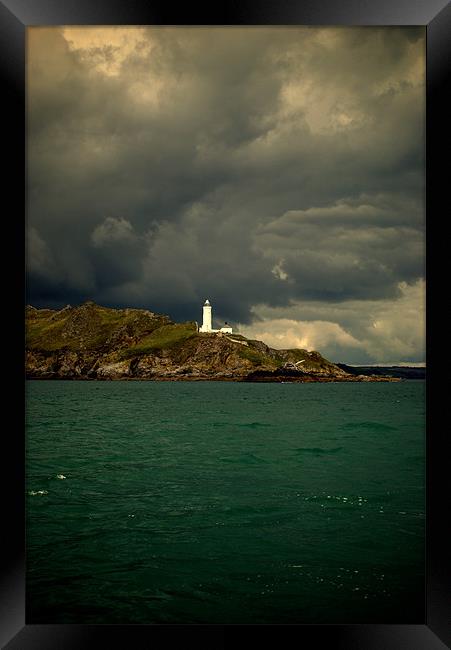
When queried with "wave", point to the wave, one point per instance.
{"points": [[247, 425], [244, 458], [254, 425], [370, 426], [317, 451]]}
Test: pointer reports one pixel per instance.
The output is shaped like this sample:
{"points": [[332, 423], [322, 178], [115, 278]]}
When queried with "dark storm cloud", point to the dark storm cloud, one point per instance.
{"points": [[250, 165]]}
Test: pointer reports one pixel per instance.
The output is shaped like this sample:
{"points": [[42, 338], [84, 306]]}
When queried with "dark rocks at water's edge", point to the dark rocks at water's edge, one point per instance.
{"points": [[92, 342], [285, 377]]}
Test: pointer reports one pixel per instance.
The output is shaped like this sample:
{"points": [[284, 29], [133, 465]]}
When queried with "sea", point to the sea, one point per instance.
{"points": [[225, 502]]}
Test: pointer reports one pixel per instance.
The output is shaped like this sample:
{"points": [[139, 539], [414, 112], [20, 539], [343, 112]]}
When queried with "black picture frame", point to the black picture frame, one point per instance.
{"points": [[15, 17]]}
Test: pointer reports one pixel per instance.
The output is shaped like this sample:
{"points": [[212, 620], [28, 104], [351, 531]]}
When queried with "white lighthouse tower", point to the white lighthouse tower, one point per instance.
{"points": [[206, 324]]}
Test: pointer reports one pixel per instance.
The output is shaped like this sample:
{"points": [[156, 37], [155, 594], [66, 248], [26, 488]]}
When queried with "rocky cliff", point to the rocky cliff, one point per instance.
{"points": [[93, 342]]}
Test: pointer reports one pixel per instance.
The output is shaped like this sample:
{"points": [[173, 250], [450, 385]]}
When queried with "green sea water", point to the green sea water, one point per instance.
{"points": [[222, 502]]}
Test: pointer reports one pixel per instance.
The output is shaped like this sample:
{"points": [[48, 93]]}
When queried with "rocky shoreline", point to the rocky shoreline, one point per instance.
{"points": [[190, 378]]}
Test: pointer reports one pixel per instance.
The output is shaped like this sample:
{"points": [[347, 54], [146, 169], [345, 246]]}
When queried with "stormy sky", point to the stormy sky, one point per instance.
{"points": [[278, 172]]}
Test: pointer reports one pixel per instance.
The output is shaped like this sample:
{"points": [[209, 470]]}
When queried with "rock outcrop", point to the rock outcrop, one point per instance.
{"points": [[93, 342]]}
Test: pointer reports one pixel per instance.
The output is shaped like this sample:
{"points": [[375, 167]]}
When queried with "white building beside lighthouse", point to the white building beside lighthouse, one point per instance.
{"points": [[207, 321]]}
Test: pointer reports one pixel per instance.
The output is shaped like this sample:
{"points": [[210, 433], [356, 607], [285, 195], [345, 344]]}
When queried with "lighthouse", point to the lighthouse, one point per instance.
{"points": [[207, 321]]}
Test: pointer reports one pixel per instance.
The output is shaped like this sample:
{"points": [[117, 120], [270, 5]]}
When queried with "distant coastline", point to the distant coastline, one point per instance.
{"points": [[401, 372]]}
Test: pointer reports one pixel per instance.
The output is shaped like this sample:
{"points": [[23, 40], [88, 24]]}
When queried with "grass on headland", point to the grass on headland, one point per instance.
{"points": [[87, 328], [167, 336], [257, 358], [42, 334]]}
